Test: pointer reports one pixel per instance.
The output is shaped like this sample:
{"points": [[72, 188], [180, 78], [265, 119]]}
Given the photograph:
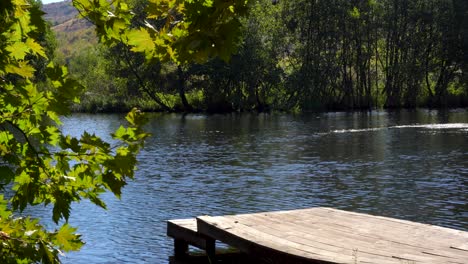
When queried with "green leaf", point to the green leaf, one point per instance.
{"points": [[136, 118], [54, 135], [114, 183], [140, 40], [46, 253], [23, 69], [6, 175], [93, 197], [18, 50], [4, 212], [35, 47], [354, 13], [62, 206], [120, 132], [67, 239]]}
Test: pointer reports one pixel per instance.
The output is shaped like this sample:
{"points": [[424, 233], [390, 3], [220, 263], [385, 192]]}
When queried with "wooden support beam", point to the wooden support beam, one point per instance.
{"points": [[184, 232], [181, 248], [211, 249]]}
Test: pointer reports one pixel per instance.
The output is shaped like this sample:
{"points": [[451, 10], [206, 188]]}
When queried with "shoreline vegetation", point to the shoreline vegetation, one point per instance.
{"points": [[297, 56], [150, 107]]}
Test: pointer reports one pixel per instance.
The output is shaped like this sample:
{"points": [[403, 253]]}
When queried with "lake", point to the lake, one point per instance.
{"points": [[407, 164]]}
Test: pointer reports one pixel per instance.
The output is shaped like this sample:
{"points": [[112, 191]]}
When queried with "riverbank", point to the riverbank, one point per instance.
{"points": [[112, 105]]}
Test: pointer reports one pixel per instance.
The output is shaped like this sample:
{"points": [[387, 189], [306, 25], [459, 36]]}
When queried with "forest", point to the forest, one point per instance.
{"points": [[296, 56]]}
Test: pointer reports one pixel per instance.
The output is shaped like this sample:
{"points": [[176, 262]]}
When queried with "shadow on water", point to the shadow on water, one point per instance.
{"points": [[406, 164]]}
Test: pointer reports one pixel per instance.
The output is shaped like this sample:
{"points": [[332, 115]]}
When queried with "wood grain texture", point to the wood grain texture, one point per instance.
{"points": [[326, 235]]}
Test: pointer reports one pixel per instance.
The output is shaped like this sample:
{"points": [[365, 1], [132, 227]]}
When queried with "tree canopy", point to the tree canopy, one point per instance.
{"points": [[181, 31], [289, 56]]}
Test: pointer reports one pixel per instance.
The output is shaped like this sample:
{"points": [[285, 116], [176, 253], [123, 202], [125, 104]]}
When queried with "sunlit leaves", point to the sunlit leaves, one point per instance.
{"points": [[141, 41], [188, 30], [40, 164], [20, 68], [65, 92], [18, 50], [46, 167], [25, 235], [354, 13], [16, 42], [67, 238]]}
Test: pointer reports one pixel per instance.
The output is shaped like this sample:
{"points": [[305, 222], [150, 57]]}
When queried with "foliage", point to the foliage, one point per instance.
{"points": [[248, 80], [159, 32], [91, 67], [43, 166], [288, 55], [40, 164], [186, 30], [365, 54]]}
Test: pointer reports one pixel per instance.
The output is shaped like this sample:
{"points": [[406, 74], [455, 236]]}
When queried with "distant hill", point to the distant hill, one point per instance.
{"points": [[64, 17], [73, 34], [58, 13]]}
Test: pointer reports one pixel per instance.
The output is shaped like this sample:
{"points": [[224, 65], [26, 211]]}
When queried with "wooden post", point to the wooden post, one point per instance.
{"points": [[180, 248], [211, 249]]}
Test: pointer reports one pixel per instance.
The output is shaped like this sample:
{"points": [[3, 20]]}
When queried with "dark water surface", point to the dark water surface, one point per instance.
{"points": [[411, 165]]}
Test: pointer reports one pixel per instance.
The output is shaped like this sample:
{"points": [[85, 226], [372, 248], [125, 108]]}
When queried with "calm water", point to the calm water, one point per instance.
{"points": [[410, 165]]}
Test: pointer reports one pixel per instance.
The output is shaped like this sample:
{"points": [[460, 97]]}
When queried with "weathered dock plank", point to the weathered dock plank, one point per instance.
{"points": [[326, 235]]}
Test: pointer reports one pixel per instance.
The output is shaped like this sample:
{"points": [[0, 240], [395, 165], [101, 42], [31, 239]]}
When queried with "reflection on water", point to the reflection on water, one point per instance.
{"points": [[411, 165]]}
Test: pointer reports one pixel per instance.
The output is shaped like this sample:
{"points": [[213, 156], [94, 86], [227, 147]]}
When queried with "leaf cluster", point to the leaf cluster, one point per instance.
{"points": [[173, 30], [41, 164]]}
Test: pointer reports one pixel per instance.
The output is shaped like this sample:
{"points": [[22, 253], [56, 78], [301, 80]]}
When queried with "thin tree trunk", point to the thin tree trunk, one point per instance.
{"points": [[181, 89]]}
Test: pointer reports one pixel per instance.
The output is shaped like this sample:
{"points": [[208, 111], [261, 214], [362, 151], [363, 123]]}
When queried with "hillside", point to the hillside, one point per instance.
{"points": [[64, 17], [58, 13], [73, 34]]}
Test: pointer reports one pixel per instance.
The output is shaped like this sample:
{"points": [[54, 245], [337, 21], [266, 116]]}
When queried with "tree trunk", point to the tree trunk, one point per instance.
{"points": [[181, 89]]}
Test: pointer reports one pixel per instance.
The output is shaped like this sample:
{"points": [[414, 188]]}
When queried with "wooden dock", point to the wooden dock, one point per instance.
{"points": [[322, 235]]}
